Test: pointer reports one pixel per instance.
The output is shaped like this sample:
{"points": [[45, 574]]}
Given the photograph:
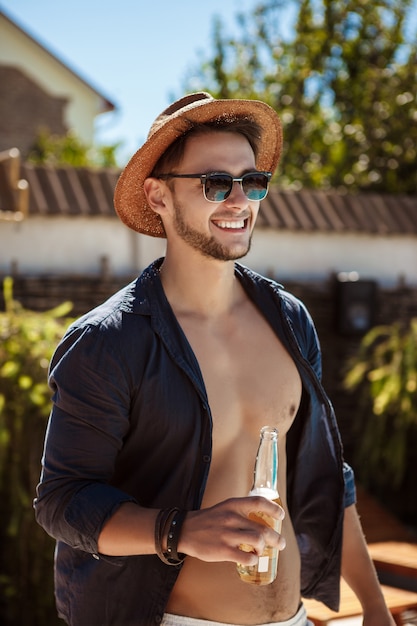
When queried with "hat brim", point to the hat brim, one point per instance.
{"points": [[129, 198]]}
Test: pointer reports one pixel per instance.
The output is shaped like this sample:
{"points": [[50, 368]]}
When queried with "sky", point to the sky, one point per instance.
{"points": [[136, 53]]}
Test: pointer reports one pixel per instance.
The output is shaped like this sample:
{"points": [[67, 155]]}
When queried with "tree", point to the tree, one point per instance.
{"points": [[343, 79], [68, 149]]}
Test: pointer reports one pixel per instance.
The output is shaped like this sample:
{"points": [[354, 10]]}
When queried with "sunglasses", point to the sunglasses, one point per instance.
{"points": [[217, 186]]}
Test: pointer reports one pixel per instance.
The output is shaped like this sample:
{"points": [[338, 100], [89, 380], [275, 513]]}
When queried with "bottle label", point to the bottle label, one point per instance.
{"points": [[263, 564]]}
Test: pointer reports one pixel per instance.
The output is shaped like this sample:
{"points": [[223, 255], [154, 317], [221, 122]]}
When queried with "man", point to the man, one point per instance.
{"points": [[160, 394]]}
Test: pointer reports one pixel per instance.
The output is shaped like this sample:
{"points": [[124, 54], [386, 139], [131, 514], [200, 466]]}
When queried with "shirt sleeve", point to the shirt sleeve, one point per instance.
{"points": [[310, 346], [350, 488], [88, 422]]}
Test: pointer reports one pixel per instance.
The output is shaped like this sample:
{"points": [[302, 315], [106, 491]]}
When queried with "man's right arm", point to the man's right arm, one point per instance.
{"points": [[211, 534], [86, 428]]}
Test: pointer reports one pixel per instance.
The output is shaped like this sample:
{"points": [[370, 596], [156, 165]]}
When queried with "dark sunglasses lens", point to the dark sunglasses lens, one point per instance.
{"points": [[217, 187], [255, 186]]}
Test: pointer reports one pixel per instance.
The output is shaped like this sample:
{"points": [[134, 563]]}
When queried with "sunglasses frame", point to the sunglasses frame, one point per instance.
{"points": [[204, 178]]}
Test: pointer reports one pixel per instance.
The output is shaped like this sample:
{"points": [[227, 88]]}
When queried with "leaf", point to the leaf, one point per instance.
{"points": [[25, 382], [356, 375], [9, 369]]}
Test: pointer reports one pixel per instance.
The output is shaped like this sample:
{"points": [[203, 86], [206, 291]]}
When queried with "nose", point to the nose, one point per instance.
{"points": [[237, 196]]}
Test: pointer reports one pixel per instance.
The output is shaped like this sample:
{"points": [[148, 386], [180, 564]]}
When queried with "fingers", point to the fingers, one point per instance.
{"points": [[259, 503], [219, 533], [261, 530]]}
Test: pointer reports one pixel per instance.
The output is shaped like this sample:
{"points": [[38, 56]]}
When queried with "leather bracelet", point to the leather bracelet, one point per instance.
{"points": [[160, 523], [174, 535], [171, 557]]}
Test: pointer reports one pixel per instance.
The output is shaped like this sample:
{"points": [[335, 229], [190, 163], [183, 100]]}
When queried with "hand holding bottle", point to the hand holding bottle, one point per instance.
{"points": [[216, 533]]}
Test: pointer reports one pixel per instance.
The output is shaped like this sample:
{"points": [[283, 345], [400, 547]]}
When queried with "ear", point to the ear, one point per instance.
{"points": [[155, 191]]}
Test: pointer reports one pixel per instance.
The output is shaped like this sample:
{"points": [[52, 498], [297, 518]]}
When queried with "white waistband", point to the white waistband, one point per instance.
{"points": [[299, 619]]}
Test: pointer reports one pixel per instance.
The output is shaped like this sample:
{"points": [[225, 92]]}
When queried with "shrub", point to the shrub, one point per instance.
{"points": [[384, 373], [27, 340]]}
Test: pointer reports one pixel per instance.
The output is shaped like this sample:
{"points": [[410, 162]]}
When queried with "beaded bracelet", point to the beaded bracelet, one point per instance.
{"points": [[171, 557]]}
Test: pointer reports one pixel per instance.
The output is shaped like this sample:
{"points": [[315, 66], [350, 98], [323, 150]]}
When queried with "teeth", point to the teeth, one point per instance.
{"points": [[237, 225]]}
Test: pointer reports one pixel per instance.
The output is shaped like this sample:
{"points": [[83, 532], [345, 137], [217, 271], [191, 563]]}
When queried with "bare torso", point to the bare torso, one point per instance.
{"points": [[251, 381]]}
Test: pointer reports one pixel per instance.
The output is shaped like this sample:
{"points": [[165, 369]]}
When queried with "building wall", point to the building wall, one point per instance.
{"points": [[25, 110], [64, 245], [17, 50], [313, 256]]}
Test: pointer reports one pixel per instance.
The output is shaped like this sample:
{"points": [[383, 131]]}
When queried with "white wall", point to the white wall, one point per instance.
{"points": [[309, 256], [61, 245], [67, 245]]}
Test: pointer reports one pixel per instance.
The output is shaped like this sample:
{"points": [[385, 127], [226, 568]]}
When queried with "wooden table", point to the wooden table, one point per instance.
{"points": [[398, 601], [395, 557]]}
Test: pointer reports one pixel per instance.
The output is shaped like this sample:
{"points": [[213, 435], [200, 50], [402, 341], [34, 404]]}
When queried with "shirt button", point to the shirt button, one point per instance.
{"points": [[206, 458], [158, 619]]}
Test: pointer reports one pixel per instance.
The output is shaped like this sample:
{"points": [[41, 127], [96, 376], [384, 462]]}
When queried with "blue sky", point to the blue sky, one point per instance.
{"points": [[135, 52]]}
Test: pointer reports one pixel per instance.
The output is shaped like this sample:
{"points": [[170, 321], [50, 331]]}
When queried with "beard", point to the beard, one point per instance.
{"points": [[206, 244]]}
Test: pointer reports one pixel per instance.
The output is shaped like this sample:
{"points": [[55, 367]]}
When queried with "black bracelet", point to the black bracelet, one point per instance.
{"points": [[171, 557], [174, 535]]}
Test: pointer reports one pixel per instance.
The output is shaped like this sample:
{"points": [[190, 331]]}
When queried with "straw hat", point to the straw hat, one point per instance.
{"points": [[129, 198]]}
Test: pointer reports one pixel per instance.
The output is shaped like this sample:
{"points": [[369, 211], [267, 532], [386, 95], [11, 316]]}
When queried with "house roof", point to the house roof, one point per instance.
{"points": [[330, 211], [66, 191], [107, 105]]}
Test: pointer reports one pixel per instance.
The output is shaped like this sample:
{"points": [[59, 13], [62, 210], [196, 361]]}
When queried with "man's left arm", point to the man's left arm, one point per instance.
{"points": [[359, 572]]}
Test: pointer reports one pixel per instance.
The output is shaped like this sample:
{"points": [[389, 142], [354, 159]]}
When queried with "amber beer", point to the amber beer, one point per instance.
{"points": [[265, 481]]}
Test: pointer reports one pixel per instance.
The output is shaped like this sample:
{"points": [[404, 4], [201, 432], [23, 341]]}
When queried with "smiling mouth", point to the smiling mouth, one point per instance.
{"points": [[231, 225]]}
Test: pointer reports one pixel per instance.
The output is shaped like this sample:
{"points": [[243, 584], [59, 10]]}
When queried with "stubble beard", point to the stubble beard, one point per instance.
{"points": [[205, 244]]}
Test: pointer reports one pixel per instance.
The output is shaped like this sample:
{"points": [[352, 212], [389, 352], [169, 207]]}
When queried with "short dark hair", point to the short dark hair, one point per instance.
{"points": [[175, 152]]}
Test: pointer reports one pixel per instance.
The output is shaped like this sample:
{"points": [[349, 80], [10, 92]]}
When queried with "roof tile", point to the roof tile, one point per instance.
{"points": [[89, 192]]}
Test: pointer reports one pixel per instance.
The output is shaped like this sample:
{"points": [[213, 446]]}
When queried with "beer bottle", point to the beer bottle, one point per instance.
{"points": [[265, 483]]}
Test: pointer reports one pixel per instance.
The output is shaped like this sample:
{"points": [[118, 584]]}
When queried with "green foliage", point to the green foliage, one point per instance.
{"points": [[57, 150], [27, 340], [384, 373], [342, 78]]}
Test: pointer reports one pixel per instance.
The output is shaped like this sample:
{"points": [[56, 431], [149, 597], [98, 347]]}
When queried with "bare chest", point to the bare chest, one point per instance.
{"points": [[251, 381], [250, 378]]}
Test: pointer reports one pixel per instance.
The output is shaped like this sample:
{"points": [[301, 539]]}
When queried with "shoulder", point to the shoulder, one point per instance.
{"points": [[134, 299], [117, 327]]}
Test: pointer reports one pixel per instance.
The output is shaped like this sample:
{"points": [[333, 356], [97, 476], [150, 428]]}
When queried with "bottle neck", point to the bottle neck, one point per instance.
{"points": [[265, 477]]}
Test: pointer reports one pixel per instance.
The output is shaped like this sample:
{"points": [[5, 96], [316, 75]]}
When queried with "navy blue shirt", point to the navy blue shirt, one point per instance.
{"points": [[131, 422]]}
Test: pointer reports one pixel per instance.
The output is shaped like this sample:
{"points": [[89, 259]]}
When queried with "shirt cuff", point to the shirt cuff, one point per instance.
{"points": [[350, 487]]}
